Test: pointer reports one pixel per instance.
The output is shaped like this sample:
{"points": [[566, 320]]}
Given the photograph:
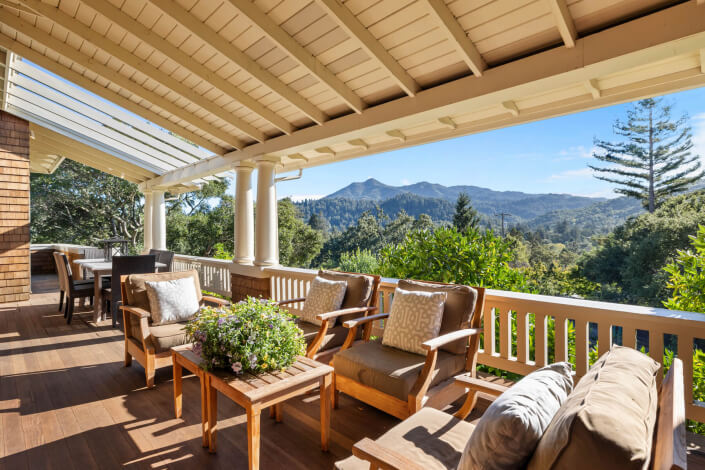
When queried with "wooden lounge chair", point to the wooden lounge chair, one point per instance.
{"points": [[360, 298], [399, 382], [151, 345], [434, 440]]}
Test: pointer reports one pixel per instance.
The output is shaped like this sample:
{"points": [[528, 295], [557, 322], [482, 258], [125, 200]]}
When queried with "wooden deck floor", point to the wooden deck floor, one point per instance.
{"points": [[66, 401]]}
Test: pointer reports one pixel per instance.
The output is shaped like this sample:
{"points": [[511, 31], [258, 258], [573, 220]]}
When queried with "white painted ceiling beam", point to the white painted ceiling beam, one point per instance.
{"points": [[356, 30], [297, 52], [6, 78], [564, 22]]}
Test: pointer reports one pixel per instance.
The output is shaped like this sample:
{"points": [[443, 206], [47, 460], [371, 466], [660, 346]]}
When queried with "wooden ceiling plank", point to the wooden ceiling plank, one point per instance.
{"points": [[83, 31], [457, 36], [349, 22], [140, 31], [564, 22], [239, 58], [280, 37], [103, 92]]}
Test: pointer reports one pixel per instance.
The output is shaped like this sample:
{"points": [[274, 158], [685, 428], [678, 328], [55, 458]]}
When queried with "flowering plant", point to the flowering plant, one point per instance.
{"points": [[250, 336]]}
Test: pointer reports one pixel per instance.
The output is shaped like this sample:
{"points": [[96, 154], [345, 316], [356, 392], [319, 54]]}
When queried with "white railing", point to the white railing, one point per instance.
{"points": [[517, 328], [214, 274]]}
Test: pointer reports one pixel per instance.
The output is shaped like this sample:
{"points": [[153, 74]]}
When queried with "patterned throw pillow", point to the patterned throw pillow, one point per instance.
{"points": [[415, 318], [172, 301], [323, 296]]}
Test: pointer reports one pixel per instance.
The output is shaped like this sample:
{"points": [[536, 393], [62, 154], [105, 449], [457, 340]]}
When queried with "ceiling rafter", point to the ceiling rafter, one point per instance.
{"points": [[356, 30], [239, 58], [116, 98], [457, 36], [297, 52], [102, 42], [5, 79], [145, 35], [564, 22]]}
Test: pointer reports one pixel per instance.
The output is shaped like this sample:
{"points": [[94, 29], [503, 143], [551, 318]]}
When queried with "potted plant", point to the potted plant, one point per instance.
{"points": [[250, 336]]}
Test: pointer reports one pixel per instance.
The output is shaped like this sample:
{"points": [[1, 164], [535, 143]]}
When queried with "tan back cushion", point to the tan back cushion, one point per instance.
{"points": [[459, 306], [136, 289], [324, 296], [358, 293], [608, 421]]}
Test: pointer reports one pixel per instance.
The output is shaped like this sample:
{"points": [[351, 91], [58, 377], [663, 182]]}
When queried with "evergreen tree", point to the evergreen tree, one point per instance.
{"points": [[465, 216], [653, 161]]}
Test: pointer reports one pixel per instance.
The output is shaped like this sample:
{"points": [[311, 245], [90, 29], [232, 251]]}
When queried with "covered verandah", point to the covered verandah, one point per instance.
{"points": [[173, 94]]}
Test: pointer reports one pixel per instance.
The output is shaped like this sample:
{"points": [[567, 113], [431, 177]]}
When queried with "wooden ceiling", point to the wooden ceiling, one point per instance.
{"points": [[315, 81]]}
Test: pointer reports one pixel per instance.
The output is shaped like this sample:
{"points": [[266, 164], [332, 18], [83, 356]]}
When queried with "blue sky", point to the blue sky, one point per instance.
{"points": [[540, 157]]}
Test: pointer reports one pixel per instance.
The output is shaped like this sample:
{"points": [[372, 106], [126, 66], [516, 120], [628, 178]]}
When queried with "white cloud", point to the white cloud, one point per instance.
{"points": [[304, 197], [405, 182], [572, 174], [699, 135], [575, 152]]}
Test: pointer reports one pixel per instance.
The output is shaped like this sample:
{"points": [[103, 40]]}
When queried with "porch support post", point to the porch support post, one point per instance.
{"points": [[266, 223], [148, 222], [244, 214], [159, 220]]}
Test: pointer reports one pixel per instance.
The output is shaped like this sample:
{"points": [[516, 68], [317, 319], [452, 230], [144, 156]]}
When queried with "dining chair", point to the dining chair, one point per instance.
{"points": [[63, 281], [163, 256], [122, 266], [73, 290]]}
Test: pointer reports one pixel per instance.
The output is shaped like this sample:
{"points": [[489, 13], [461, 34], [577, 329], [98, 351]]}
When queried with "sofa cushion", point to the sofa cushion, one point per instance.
{"points": [[323, 296], [391, 370], [431, 438], [459, 306], [335, 336], [608, 421], [172, 301], [508, 432], [136, 289], [415, 318], [165, 337], [358, 294]]}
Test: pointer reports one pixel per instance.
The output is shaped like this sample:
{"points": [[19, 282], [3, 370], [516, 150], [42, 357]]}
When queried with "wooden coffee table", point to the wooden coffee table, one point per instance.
{"points": [[184, 358], [257, 392]]}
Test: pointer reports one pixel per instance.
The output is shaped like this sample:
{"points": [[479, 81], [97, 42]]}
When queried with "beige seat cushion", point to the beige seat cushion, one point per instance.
{"points": [[459, 306], [390, 370], [608, 421], [323, 296], [415, 318], [334, 337], [358, 293], [165, 337], [136, 289], [431, 438]]}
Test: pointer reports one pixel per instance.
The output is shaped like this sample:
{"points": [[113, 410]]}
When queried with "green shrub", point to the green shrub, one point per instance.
{"points": [[359, 261], [687, 277]]}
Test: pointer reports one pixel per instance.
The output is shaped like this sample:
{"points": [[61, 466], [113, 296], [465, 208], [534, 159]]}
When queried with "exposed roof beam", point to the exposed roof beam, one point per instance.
{"points": [[6, 78], [16, 6], [457, 36], [599, 54], [593, 87], [448, 122], [144, 34], [702, 58], [351, 25], [76, 27], [564, 22], [280, 37], [78, 79], [511, 106], [240, 59]]}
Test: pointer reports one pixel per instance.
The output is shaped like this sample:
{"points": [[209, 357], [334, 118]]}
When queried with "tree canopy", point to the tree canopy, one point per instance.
{"points": [[465, 216]]}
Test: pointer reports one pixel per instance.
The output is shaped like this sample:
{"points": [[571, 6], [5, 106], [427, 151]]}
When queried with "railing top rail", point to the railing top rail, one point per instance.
{"points": [[203, 260]]}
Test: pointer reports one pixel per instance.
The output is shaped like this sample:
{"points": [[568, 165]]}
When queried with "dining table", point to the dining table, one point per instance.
{"points": [[100, 267]]}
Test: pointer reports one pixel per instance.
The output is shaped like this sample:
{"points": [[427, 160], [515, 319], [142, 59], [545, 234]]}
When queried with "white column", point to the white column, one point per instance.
{"points": [[148, 220], [159, 221], [244, 215], [266, 222]]}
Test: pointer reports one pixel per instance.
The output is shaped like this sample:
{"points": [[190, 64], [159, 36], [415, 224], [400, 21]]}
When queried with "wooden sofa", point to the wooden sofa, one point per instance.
{"points": [[151, 345]]}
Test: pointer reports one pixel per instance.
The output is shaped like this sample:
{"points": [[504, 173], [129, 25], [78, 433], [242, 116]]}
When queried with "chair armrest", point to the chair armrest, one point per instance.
{"points": [[344, 311], [362, 320], [479, 385], [435, 343], [215, 300], [382, 457], [291, 301], [136, 311]]}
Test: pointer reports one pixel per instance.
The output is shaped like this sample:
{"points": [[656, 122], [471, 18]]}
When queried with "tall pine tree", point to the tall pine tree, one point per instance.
{"points": [[653, 161], [465, 216]]}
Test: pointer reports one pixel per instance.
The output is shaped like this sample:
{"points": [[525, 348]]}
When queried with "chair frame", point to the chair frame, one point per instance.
{"points": [[141, 349], [421, 394], [73, 290], [669, 446], [313, 351]]}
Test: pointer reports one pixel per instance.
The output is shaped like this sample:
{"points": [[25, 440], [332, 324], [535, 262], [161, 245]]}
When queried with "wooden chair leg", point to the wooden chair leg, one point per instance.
{"points": [[66, 307], [336, 393], [149, 370], [128, 358], [70, 302], [61, 300]]}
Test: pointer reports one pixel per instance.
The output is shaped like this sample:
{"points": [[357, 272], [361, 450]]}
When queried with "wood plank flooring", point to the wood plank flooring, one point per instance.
{"points": [[67, 401]]}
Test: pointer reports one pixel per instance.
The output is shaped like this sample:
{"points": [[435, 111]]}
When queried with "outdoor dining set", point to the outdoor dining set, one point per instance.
{"points": [[621, 415]]}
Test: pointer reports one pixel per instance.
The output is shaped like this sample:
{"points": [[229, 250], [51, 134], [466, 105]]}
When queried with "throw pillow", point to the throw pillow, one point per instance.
{"points": [[323, 296], [172, 301], [510, 429], [415, 318]]}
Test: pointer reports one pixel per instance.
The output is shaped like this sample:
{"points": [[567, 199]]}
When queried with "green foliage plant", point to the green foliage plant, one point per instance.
{"points": [[250, 336], [687, 277], [359, 261]]}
